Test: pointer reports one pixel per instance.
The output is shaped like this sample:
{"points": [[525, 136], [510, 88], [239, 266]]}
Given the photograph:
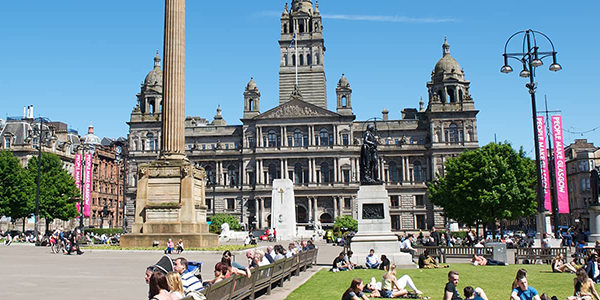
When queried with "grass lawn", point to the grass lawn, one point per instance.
{"points": [[495, 280]]}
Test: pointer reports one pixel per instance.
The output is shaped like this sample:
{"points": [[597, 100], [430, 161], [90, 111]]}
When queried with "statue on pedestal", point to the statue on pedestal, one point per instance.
{"points": [[369, 171]]}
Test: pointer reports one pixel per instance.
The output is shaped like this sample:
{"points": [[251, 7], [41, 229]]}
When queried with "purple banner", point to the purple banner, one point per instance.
{"points": [[560, 168], [87, 185], [77, 176], [541, 129]]}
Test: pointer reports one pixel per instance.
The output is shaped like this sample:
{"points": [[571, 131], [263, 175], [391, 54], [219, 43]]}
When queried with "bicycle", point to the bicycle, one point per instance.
{"points": [[58, 247]]}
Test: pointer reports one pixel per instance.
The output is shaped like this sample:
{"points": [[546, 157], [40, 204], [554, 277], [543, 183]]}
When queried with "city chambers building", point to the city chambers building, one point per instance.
{"points": [[316, 148]]}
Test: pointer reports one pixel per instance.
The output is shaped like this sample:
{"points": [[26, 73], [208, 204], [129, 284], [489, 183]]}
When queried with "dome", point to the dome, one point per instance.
{"points": [[251, 84], [343, 82], [155, 77], [447, 64], [91, 139]]}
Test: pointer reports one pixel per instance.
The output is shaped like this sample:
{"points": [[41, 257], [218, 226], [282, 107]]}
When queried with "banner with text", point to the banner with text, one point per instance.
{"points": [[560, 168], [87, 185], [77, 176], [541, 129]]}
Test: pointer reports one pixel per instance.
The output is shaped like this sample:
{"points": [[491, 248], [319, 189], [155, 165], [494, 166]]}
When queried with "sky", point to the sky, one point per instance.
{"points": [[82, 62]]}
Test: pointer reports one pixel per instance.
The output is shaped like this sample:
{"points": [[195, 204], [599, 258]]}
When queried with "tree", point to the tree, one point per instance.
{"points": [[58, 192], [218, 219], [486, 184], [345, 223], [16, 188]]}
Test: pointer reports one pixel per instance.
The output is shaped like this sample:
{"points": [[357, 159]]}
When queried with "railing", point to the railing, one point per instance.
{"points": [[264, 277], [536, 253]]}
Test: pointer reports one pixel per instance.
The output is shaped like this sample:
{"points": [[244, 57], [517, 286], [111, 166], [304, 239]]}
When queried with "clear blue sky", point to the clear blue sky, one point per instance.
{"points": [[83, 61]]}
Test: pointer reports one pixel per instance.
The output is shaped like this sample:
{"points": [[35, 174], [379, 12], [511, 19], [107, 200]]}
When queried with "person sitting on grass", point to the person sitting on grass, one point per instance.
{"points": [[559, 267], [355, 291], [372, 260], [385, 263], [348, 259], [523, 291], [428, 262], [471, 294], [395, 288], [339, 264], [584, 287], [482, 261], [450, 291]]}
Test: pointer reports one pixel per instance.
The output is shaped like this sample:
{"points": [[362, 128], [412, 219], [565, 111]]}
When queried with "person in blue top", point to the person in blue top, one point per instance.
{"points": [[523, 291]]}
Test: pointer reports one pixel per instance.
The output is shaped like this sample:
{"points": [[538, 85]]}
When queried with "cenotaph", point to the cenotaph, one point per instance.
{"points": [[374, 225], [170, 190], [283, 209]]}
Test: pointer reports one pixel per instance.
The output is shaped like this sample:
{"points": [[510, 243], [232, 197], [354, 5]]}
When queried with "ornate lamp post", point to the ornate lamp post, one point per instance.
{"points": [[43, 137], [531, 58]]}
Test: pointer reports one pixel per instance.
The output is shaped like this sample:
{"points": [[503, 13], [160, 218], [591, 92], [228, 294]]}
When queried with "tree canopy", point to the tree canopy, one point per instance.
{"points": [[17, 191], [218, 219], [58, 192], [345, 223], [486, 184]]}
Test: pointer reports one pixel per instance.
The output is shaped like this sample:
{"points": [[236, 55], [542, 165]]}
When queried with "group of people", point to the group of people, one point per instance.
{"points": [[171, 247], [389, 287]]}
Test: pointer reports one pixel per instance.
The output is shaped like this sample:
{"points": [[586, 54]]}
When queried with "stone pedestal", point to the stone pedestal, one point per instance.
{"points": [[543, 225], [170, 204], [594, 212], [283, 209], [374, 228]]}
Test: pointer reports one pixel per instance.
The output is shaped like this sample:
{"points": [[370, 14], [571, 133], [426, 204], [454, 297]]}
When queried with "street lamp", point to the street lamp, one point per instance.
{"points": [[47, 138], [89, 143], [531, 58]]}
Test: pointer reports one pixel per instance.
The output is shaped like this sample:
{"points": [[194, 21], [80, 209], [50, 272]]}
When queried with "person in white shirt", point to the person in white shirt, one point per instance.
{"points": [[372, 260], [406, 245]]}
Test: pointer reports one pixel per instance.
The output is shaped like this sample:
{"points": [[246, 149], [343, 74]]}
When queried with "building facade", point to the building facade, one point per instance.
{"points": [[581, 158], [318, 149], [19, 136]]}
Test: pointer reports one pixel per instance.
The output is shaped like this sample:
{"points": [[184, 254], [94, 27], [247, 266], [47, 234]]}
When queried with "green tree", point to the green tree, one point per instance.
{"points": [[16, 188], [486, 184], [58, 192], [345, 223], [218, 219]]}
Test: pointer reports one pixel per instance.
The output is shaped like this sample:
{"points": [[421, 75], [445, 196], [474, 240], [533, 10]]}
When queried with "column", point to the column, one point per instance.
{"points": [[285, 165], [314, 199], [260, 215], [311, 135], [335, 206], [309, 206], [259, 171], [282, 168], [284, 137], [314, 170], [258, 136], [173, 114], [336, 136], [310, 175], [282, 134]]}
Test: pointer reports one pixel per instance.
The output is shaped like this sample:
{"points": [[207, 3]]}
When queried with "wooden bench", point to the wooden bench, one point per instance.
{"points": [[432, 250], [443, 253], [535, 254]]}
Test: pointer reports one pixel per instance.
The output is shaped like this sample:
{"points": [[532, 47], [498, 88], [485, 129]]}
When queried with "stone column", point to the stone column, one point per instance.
{"points": [[335, 206], [309, 208], [173, 114]]}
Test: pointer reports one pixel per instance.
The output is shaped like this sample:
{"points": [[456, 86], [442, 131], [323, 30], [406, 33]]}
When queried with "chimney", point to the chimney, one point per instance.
{"points": [[384, 114], [30, 112], [24, 111]]}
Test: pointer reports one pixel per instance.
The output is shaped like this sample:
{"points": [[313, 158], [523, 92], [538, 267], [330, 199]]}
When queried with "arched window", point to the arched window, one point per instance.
{"points": [[301, 215], [285, 28], [326, 173], [395, 175], [452, 134], [324, 137], [250, 104], [151, 140], [451, 98], [285, 60], [297, 138], [344, 101], [273, 173], [418, 172], [326, 218], [272, 139], [298, 173], [301, 60], [232, 175], [293, 59], [308, 60]]}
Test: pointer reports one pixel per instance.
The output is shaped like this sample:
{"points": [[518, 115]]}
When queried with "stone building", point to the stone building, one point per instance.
{"points": [[18, 136], [318, 149], [581, 157]]}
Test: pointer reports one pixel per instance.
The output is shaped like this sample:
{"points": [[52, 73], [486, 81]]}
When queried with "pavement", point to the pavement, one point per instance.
{"points": [[30, 272]]}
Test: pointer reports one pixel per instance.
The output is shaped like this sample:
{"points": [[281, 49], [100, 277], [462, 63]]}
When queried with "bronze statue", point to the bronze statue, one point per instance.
{"points": [[369, 170]]}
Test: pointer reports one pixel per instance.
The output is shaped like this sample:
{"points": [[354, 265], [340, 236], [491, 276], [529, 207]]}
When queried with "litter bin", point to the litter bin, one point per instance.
{"points": [[499, 252]]}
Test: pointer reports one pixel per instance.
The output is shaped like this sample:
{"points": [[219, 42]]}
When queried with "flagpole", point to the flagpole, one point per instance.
{"points": [[296, 47]]}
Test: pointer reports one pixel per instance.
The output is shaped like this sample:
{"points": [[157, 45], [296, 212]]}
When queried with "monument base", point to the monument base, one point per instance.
{"points": [[190, 240], [594, 212], [374, 228]]}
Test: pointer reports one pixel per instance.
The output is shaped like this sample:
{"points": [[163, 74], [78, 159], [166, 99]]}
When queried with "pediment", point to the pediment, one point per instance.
{"points": [[296, 108]]}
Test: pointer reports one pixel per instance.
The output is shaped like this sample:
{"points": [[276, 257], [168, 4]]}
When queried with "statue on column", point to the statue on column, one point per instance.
{"points": [[369, 171]]}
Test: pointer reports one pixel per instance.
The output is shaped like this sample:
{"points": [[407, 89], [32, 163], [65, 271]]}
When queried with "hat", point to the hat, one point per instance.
{"points": [[165, 265]]}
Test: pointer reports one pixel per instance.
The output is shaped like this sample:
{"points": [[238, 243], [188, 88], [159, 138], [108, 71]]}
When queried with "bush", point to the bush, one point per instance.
{"points": [[218, 219], [101, 231], [345, 223]]}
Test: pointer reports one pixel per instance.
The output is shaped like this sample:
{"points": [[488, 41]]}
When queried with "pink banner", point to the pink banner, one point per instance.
{"points": [[87, 185], [541, 129], [77, 176], [560, 168]]}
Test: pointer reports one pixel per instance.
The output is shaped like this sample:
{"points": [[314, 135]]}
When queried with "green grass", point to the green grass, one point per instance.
{"points": [[496, 281], [218, 248]]}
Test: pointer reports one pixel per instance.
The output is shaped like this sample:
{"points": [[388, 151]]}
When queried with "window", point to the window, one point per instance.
{"points": [[210, 174], [345, 140], [347, 202], [7, 142], [272, 139], [232, 175], [418, 172], [419, 201], [308, 59], [395, 222], [453, 134], [226, 146], [251, 177], [344, 101], [584, 166], [301, 59], [289, 141], [395, 173], [326, 173], [305, 140], [421, 222], [297, 138], [230, 204], [298, 173], [251, 142], [324, 137], [585, 184], [208, 203], [293, 59], [346, 174], [394, 202], [273, 173]]}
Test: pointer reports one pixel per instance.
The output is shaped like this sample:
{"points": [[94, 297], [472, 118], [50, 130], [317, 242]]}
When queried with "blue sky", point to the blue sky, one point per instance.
{"points": [[83, 61]]}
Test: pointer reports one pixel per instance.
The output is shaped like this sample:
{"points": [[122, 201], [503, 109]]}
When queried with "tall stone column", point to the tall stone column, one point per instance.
{"points": [[173, 115]]}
